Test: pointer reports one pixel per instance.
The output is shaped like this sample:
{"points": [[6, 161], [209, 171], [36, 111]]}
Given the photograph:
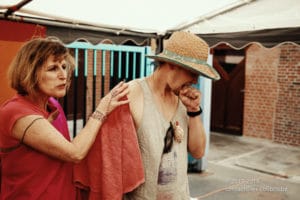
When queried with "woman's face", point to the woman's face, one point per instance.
{"points": [[53, 78]]}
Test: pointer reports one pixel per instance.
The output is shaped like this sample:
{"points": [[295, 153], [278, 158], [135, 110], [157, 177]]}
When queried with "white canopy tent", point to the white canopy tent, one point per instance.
{"points": [[252, 16], [145, 16], [157, 16]]}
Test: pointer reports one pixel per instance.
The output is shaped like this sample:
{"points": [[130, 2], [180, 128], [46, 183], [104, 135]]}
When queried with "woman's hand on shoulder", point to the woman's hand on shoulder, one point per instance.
{"points": [[115, 98]]}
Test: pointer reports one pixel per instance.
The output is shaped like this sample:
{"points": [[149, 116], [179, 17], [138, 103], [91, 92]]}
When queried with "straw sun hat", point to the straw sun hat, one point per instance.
{"points": [[189, 51]]}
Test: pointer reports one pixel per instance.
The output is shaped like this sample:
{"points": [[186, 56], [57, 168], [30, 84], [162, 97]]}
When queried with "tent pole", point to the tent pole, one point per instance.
{"points": [[76, 26]]}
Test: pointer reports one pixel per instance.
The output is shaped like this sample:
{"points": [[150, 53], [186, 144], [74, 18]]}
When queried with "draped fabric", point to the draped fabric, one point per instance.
{"points": [[113, 165]]}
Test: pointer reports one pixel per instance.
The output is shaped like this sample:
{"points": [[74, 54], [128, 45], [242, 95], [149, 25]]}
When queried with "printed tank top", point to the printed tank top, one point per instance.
{"points": [[165, 174]]}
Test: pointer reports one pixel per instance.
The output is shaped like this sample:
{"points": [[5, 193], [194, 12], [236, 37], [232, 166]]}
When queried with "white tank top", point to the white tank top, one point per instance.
{"points": [[165, 174]]}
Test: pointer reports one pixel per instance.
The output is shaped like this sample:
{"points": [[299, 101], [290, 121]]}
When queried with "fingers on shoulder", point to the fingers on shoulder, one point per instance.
{"points": [[131, 90]]}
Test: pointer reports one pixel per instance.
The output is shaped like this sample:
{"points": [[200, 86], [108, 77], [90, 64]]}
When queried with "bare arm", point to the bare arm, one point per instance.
{"points": [[197, 138], [136, 102], [190, 97], [42, 136]]}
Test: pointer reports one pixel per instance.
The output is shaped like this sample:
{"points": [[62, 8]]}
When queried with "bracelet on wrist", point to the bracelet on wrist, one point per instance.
{"points": [[98, 115], [194, 114]]}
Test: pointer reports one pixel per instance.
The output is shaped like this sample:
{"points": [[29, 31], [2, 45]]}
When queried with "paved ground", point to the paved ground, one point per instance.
{"points": [[248, 168]]}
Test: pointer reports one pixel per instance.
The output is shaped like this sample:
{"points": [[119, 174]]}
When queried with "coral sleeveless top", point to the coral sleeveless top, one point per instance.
{"points": [[27, 173]]}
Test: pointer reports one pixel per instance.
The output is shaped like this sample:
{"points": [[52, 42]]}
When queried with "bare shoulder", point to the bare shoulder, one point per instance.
{"points": [[135, 90], [136, 102]]}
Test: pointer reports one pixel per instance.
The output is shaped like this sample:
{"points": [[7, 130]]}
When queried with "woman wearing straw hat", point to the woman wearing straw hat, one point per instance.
{"points": [[166, 112]]}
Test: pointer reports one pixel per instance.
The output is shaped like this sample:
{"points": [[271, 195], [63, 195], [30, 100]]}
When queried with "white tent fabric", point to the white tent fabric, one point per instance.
{"points": [[257, 15], [162, 16], [136, 15]]}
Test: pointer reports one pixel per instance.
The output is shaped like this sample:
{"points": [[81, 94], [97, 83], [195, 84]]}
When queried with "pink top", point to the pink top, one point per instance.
{"points": [[27, 173]]}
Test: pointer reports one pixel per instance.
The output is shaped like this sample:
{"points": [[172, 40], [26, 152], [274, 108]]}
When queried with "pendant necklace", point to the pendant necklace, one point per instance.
{"points": [[178, 132]]}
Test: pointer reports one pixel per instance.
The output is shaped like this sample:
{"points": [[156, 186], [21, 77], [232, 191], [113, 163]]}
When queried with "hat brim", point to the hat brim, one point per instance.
{"points": [[204, 70]]}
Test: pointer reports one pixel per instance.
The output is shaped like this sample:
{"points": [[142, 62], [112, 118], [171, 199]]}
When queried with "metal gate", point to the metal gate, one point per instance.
{"points": [[97, 69]]}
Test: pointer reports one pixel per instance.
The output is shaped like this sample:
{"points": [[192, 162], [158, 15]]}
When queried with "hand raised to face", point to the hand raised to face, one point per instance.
{"points": [[191, 98]]}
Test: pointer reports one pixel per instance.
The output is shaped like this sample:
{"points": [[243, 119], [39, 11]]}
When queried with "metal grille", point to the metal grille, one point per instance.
{"points": [[98, 69]]}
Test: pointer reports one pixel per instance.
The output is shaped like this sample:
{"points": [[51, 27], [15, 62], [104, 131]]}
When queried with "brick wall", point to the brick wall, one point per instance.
{"points": [[98, 89], [287, 123], [272, 93], [260, 91]]}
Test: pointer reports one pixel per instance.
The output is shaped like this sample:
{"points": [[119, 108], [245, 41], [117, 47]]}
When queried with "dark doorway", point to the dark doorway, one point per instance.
{"points": [[228, 93]]}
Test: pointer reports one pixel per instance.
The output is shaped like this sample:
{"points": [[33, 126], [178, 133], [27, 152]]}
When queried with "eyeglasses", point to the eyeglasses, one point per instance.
{"points": [[169, 139]]}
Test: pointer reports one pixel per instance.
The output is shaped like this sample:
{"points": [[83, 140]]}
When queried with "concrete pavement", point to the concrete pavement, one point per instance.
{"points": [[247, 168]]}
